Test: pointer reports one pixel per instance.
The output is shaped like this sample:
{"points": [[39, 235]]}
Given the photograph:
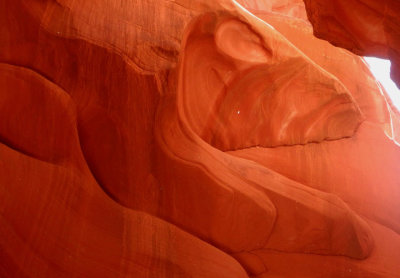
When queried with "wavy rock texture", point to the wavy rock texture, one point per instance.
{"points": [[190, 139], [365, 27]]}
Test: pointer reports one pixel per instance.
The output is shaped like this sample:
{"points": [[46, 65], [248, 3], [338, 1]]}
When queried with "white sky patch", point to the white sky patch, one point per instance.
{"points": [[380, 68]]}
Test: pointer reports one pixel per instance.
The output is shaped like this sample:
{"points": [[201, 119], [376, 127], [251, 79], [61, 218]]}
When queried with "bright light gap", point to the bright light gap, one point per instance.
{"points": [[380, 68]]}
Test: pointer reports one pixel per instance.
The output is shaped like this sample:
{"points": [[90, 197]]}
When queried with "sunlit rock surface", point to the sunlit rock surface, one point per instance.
{"points": [[190, 139], [365, 27]]}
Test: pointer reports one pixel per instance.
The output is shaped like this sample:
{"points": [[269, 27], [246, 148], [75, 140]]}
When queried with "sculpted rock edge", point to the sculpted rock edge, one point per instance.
{"points": [[365, 27]]}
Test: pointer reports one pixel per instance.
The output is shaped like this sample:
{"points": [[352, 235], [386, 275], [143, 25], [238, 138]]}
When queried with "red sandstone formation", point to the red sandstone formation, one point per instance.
{"points": [[365, 27], [190, 139]]}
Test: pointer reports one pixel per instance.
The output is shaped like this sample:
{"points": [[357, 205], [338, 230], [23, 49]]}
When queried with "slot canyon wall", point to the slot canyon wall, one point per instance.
{"points": [[365, 27], [158, 138]]}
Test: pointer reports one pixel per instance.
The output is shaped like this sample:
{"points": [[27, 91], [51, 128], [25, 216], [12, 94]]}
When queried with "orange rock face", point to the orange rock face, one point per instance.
{"points": [[365, 27], [190, 139]]}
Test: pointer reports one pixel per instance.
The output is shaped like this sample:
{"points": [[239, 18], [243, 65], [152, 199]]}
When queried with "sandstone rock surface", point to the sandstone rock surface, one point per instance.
{"points": [[190, 139], [365, 27]]}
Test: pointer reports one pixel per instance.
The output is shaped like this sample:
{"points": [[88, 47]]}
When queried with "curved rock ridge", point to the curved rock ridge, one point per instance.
{"points": [[190, 139], [365, 27], [275, 98], [57, 222]]}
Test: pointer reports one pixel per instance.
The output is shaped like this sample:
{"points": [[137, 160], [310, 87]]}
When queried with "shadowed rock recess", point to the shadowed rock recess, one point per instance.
{"points": [[159, 139]]}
